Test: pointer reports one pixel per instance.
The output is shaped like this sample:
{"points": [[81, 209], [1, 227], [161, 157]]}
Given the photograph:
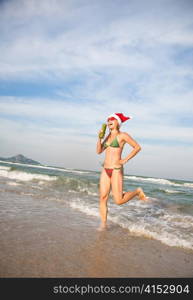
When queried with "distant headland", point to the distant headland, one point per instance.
{"points": [[20, 159]]}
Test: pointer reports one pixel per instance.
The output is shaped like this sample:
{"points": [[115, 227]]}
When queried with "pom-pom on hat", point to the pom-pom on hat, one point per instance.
{"points": [[119, 117]]}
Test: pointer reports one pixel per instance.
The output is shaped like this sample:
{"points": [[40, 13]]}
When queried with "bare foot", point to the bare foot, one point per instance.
{"points": [[142, 195], [102, 227]]}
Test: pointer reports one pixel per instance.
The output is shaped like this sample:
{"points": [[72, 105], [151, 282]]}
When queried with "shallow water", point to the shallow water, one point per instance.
{"points": [[168, 217]]}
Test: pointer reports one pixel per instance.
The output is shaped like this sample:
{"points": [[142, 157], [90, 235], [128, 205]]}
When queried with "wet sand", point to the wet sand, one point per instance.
{"points": [[61, 242]]}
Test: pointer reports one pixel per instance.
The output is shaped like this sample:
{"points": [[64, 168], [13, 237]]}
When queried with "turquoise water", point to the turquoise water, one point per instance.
{"points": [[167, 217]]}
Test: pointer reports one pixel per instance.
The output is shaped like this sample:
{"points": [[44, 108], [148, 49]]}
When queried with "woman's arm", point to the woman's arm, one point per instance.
{"points": [[100, 145], [128, 139]]}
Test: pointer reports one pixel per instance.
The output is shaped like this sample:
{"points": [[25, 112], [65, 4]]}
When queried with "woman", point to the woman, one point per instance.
{"points": [[112, 172]]}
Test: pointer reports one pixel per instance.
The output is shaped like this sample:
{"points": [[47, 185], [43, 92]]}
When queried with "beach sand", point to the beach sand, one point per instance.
{"points": [[58, 241]]}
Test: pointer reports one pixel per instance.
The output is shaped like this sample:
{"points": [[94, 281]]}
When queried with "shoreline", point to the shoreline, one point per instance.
{"points": [[64, 242]]}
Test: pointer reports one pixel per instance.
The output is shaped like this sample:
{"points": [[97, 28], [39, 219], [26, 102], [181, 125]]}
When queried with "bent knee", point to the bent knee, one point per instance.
{"points": [[103, 198], [118, 201]]}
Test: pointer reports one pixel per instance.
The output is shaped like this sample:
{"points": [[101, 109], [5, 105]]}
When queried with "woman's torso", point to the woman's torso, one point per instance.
{"points": [[113, 150]]}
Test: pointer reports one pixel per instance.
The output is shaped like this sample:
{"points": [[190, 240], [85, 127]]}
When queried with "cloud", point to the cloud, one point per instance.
{"points": [[55, 37], [94, 58], [59, 116], [62, 147]]}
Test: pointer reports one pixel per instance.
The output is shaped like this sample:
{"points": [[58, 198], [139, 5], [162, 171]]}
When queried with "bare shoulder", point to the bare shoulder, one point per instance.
{"points": [[128, 139], [125, 136]]}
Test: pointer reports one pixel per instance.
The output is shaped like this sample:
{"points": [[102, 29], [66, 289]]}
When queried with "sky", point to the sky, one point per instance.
{"points": [[66, 65]]}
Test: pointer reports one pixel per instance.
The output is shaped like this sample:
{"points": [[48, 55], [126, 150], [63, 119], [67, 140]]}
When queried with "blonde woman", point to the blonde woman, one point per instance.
{"points": [[112, 172]]}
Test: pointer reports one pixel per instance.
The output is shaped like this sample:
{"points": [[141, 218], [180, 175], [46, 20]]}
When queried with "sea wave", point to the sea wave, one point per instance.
{"points": [[76, 185], [13, 183], [66, 183], [188, 184], [45, 167], [4, 168], [63, 169], [158, 181], [169, 191], [168, 238], [170, 229], [25, 176], [20, 164]]}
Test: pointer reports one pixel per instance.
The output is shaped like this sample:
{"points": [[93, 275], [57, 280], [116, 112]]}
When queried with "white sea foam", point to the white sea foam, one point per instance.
{"points": [[87, 191], [157, 181], [80, 205], [41, 182], [4, 168], [47, 167], [59, 169], [24, 176], [150, 179], [167, 229], [20, 164], [170, 229], [168, 238], [171, 191], [78, 172], [188, 184], [13, 183]]}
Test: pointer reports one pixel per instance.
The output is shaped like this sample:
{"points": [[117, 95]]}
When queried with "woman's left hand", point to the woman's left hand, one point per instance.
{"points": [[121, 161]]}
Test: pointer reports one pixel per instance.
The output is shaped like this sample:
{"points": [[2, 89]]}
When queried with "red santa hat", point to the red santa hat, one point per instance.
{"points": [[119, 117]]}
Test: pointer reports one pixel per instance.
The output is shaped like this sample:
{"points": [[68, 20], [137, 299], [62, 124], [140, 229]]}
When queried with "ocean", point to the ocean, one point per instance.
{"points": [[167, 217]]}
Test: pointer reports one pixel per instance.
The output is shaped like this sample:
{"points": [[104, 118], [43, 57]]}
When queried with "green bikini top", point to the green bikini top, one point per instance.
{"points": [[114, 143]]}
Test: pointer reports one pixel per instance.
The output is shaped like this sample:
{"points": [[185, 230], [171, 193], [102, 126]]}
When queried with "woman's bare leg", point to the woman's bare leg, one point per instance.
{"points": [[104, 190], [130, 195], [117, 189]]}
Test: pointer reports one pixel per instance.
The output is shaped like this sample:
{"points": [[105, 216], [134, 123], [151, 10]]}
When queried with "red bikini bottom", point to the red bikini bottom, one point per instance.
{"points": [[110, 171]]}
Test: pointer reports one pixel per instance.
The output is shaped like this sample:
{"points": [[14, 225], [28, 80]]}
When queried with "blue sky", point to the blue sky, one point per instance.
{"points": [[66, 65]]}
